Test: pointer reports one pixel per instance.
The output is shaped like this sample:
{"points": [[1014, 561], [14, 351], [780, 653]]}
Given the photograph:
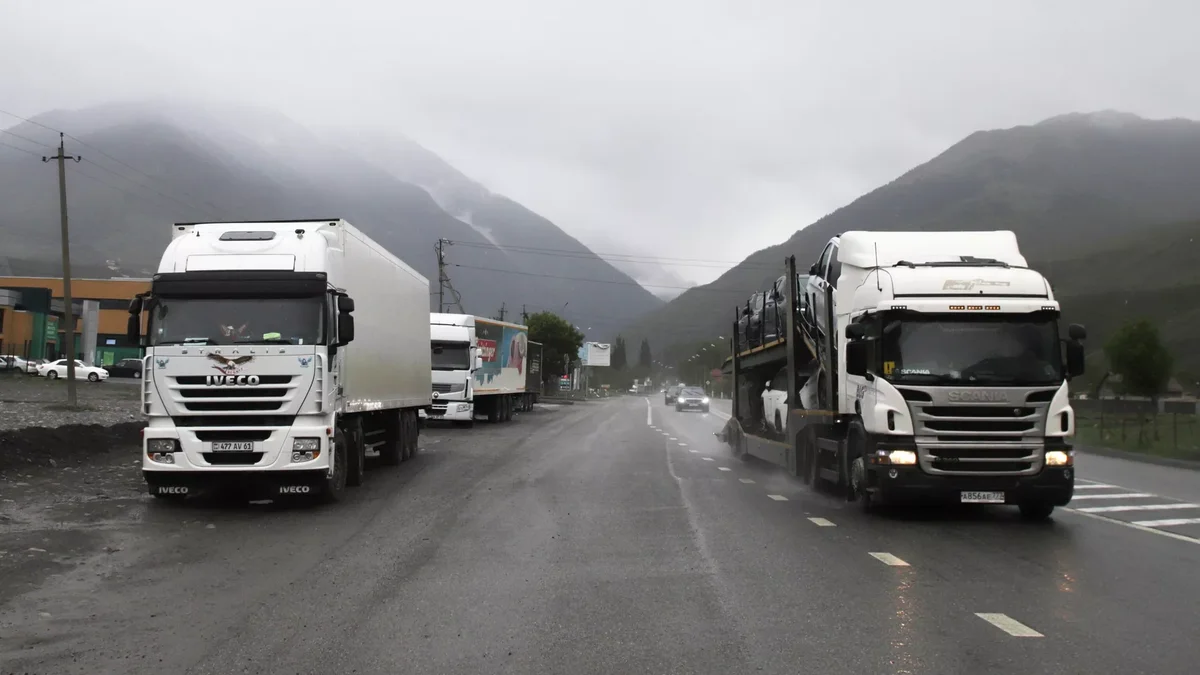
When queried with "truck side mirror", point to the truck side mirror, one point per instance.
{"points": [[857, 357], [1076, 332], [478, 361], [345, 328], [345, 304], [1075, 360], [133, 329], [856, 331], [812, 271]]}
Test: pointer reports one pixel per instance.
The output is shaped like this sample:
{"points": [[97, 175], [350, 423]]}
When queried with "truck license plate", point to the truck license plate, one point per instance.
{"points": [[982, 497], [233, 446]]}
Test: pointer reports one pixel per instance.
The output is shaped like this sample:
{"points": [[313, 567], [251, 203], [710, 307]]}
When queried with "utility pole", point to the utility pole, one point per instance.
{"points": [[501, 317], [68, 307], [441, 259], [524, 316]]}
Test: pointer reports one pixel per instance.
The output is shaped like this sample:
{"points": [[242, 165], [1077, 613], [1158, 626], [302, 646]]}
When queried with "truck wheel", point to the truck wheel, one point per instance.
{"points": [[335, 485], [356, 453], [389, 452], [1036, 511], [493, 410], [856, 485], [410, 436]]}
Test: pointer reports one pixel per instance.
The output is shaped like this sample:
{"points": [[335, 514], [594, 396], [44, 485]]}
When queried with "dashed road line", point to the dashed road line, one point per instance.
{"points": [[1122, 495], [1008, 624], [778, 498], [1137, 507], [1136, 526], [707, 459], [673, 438], [724, 468], [747, 481], [682, 444], [821, 522], [889, 559], [693, 451], [1169, 522], [1094, 486]]}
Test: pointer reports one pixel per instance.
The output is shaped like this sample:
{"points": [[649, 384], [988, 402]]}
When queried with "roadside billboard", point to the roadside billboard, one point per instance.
{"points": [[597, 354]]}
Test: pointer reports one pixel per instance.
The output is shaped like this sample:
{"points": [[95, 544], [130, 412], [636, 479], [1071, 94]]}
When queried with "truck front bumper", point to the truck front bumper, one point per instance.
{"points": [[1053, 485], [262, 484], [451, 411]]}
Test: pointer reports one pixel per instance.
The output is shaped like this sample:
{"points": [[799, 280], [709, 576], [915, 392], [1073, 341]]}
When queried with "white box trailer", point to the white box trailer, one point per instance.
{"points": [[480, 366], [277, 355]]}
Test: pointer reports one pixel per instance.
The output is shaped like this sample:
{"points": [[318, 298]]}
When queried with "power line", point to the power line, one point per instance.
{"points": [[602, 281], [101, 152], [26, 138], [615, 257], [20, 149], [146, 187]]}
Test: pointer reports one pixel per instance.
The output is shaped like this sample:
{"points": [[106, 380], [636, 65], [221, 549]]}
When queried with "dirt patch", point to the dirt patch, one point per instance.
{"points": [[66, 446]]}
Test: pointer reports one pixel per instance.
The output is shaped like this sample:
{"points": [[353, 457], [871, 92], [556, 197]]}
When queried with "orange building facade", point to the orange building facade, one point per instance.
{"points": [[35, 334]]}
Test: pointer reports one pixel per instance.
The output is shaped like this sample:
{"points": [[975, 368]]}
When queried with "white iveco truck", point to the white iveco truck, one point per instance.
{"points": [[480, 366], [277, 355], [938, 368]]}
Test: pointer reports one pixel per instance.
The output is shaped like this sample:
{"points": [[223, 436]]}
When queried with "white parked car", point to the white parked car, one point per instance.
{"points": [[57, 369], [17, 363], [774, 398]]}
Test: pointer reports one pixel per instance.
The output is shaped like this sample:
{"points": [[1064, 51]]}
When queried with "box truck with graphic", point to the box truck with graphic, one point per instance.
{"points": [[479, 367]]}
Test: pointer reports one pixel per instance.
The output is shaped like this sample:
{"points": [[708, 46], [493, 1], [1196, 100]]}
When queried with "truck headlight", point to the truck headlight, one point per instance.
{"points": [[704, 400], [904, 457], [1058, 458], [160, 446], [305, 444]]}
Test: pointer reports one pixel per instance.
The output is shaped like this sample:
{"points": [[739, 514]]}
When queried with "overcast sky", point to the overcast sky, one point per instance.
{"points": [[697, 128]]}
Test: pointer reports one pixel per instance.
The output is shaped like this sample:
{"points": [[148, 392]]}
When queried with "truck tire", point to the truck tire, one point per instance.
{"points": [[356, 453], [856, 483], [493, 409], [413, 436], [335, 485], [1036, 511], [390, 452]]}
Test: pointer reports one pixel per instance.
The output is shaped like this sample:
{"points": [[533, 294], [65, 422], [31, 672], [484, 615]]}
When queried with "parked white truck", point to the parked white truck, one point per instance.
{"points": [[939, 372], [480, 366], [277, 354]]}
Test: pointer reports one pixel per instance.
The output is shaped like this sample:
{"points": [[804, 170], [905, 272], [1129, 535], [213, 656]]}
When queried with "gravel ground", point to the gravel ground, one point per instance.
{"points": [[38, 433]]}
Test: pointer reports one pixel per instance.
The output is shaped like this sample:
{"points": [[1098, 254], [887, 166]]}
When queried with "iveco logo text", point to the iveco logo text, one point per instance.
{"points": [[293, 489], [231, 380], [974, 396], [172, 490]]}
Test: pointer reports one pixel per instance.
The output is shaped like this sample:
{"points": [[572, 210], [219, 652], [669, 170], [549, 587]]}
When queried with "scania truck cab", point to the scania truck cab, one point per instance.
{"points": [[940, 373]]}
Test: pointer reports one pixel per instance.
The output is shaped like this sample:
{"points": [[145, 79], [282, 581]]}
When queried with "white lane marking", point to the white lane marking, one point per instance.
{"points": [[707, 459], [724, 468], [1135, 526], [821, 522], [665, 434], [1169, 522], [889, 559], [693, 451], [1094, 486], [1009, 625], [649, 410], [682, 444], [673, 438], [778, 498], [1138, 507], [747, 481], [1121, 495], [720, 414]]}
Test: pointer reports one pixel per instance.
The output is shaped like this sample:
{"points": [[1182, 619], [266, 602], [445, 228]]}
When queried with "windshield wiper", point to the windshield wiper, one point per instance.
{"points": [[189, 341]]}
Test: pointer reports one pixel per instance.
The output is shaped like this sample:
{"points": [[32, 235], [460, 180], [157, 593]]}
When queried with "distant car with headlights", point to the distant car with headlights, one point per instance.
{"points": [[670, 394], [691, 398]]}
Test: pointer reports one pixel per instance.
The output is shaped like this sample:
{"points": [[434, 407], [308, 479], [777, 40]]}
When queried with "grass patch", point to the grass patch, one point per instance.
{"points": [[1175, 436]]}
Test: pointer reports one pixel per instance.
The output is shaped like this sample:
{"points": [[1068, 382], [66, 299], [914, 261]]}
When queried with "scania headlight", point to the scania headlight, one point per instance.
{"points": [[704, 400], [305, 444], [902, 457], [1058, 458]]}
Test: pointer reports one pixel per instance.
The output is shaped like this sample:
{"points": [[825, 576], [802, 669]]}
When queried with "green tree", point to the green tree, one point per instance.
{"points": [[645, 358], [1137, 354], [618, 361], [560, 341]]}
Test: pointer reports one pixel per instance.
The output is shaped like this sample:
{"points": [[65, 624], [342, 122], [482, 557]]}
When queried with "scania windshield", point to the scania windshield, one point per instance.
{"points": [[1004, 350], [224, 321]]}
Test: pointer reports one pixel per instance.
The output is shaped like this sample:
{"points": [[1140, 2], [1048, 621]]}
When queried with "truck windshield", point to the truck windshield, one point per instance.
{"points": [[451, 356], [224, 321], [1012, 350]]}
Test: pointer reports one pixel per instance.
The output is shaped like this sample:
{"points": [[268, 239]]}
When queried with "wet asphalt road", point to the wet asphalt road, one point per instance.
{"points": [[616, 537]]}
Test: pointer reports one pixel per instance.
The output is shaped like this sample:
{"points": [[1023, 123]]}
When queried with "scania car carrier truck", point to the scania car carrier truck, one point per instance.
{"points": [[939, 372], [480, 366], [277, 355]]}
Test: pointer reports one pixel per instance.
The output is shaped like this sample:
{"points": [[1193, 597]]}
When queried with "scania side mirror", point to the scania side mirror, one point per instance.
{"points": [[1076, 332], [478, 361], [856, 331], [1075, 360], [135, 305], [857, 355], [345, 304], [812, 271]]}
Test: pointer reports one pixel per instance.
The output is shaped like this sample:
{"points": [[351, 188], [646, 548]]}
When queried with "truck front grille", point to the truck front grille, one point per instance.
{"points": [[1002, 436], [192, 393], [233, 458], [443, 387]]}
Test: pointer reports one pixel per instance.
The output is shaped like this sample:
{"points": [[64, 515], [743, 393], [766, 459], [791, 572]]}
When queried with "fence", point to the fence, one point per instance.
{"points": [[1168, 427]]}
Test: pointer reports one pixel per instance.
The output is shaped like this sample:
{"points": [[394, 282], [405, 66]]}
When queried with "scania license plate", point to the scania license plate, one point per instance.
{"points": [[982, 497], [233, 446]]}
